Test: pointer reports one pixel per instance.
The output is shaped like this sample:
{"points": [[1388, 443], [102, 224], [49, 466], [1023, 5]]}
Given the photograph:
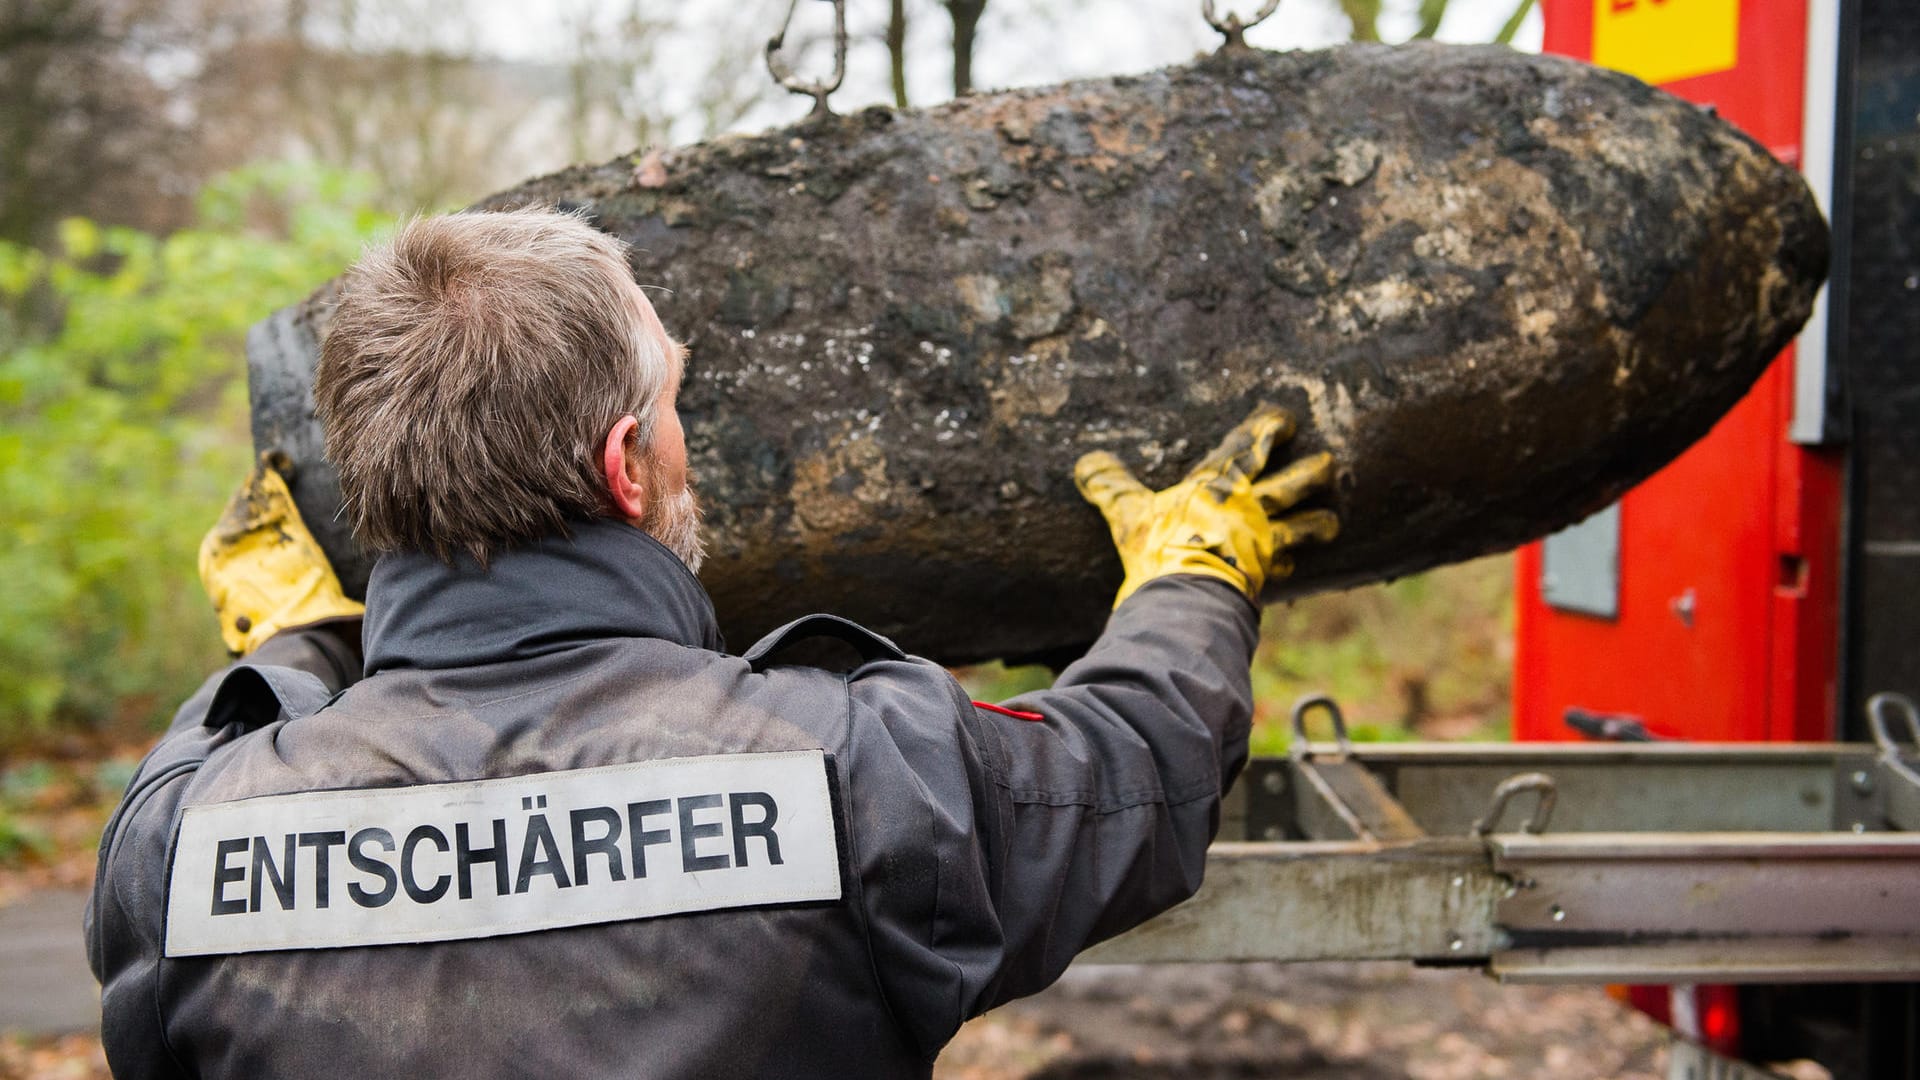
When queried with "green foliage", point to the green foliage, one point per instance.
{"points": [[22, 784], [20, 787], [111, 777], [20, 842], [123, 427], [1425, 657], [996, 682]]}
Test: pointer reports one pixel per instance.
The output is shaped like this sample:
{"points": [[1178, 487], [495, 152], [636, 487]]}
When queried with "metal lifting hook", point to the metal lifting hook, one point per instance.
{"points": [[1232, 27], [784, 75]]}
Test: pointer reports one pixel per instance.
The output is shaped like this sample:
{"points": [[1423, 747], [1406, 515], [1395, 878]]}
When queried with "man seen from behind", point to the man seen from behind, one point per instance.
{"points": [[529, 818]]}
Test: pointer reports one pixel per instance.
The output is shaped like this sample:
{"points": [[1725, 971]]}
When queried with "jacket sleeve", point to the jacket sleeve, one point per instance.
{"points": [[300, 668], [1051, 835]]}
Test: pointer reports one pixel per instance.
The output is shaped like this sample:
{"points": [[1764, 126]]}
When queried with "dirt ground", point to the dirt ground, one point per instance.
{"points": [[1214, 1022], [1311, 1021], [62, 1057]]}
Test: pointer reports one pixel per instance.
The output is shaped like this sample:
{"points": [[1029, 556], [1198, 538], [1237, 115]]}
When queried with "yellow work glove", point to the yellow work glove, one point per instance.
{"points": [[264, 571], [1220, 521]]}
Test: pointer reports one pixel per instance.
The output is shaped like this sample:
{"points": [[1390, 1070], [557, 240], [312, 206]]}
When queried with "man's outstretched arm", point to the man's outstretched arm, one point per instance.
{"points": [[1094, 812], [1152, 723], [1103, 810]]}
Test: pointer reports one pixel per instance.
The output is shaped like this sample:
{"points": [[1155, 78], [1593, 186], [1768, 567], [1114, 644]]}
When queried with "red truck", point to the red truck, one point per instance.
{"points": [[1762, 586], [1713, 799]]}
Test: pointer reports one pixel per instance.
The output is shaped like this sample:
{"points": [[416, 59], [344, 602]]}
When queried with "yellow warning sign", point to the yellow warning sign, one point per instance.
{"points": [[1662, 41]]}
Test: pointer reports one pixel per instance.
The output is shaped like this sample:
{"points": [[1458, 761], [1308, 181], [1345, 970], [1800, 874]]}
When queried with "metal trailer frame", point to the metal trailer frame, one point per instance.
{"points": [[1665, 862]]}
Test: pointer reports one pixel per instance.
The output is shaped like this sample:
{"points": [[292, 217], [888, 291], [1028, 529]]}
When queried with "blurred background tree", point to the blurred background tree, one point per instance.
{"points": [[84, 128], [122, 426], [119, 110], [172, 170]]}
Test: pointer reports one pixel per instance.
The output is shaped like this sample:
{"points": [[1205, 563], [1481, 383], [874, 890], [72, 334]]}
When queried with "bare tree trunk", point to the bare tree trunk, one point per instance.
{"points": [[1432, 13], [897, 51], [966, 22], [1513, 23], [83, 125], [1500, 288], [1365, 17]]}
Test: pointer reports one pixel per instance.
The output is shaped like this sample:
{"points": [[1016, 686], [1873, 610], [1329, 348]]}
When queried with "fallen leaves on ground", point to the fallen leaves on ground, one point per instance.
{"points": [[56, 806], [1308, 1021], [59, 1057]]}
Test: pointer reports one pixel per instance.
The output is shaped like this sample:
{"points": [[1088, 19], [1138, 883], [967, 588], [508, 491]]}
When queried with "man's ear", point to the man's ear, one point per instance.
{"points": [[622, 472]]}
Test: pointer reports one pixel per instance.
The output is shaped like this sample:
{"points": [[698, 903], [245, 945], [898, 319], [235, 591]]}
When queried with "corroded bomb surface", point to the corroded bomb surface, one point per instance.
{"points": [[1500, 288]]}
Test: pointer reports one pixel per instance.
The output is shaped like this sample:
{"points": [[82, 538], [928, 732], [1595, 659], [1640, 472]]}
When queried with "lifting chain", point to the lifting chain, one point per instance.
{"points": [[1232, 27], [784, 75]]}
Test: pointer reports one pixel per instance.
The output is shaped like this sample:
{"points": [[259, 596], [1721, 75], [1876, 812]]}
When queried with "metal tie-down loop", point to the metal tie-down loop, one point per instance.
{"points": [[1545, 792], [784, 75], [1882, 706], [1232, 27], [1297, 748]]}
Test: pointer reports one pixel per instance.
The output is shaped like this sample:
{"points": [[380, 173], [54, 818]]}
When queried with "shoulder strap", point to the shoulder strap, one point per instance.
{"points": [[869, 645], [253, 695]]}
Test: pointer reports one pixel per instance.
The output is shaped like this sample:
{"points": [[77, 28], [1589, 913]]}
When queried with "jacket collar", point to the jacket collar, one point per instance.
{"points": [[607, 580]]}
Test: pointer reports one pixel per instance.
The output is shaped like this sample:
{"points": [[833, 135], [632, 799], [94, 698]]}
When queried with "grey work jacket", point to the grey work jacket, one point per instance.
{"points": [[978, 851]]}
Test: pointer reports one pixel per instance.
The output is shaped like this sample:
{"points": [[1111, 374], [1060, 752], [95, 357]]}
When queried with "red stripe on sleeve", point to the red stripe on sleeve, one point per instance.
{"points": [[1004, 711]]}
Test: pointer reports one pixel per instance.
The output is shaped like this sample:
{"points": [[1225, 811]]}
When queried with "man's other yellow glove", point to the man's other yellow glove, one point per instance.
{"points": [[1220, 521], [264, 571]]}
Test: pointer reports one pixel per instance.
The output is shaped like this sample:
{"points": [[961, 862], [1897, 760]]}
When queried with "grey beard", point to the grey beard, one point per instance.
{"points": [[675, 522]]}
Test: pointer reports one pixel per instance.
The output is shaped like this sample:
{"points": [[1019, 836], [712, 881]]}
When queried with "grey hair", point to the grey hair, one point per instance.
{"points": [[470, 373]]}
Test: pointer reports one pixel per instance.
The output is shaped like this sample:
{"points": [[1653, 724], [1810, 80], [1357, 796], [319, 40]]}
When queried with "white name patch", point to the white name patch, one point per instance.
{"points": [[438, 862]]}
